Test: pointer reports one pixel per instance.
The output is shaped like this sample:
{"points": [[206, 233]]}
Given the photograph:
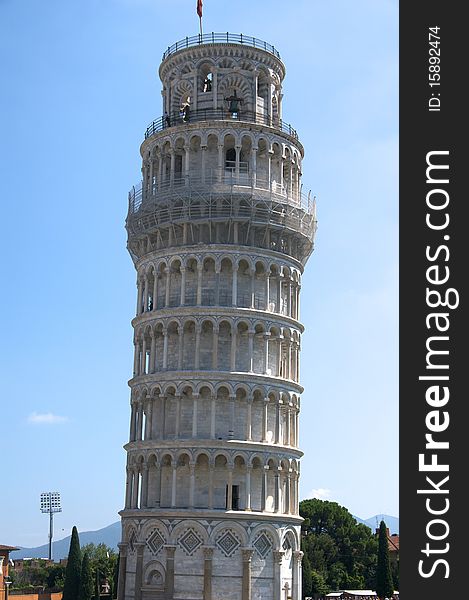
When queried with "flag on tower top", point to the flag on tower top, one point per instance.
{"points": [[199, 7]]}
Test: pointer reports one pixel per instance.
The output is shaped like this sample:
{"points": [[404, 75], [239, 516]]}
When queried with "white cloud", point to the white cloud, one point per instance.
{"points": [[319, 493], [46, 419]]}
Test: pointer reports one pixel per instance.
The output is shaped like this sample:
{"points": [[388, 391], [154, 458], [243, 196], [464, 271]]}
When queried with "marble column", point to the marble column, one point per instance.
{"points": [[215, 348], [128, 488], [254, 166], [234, 287], [232, 401], [278, 558], [136, 357], [195, 398], [191, 484], [265, 475], [211, 467], [139, 570], [140, 421], [169, 585], [149, 416], [220, 162], [198, 329], [182, 299], [248, 487], [249, 420], [265, 413], [144, 490], [168, 286], [208, 557], [233, 348], [173, 486], [246, 585], [199, 284], [152, 365], [145, 295], [251, 350], [296, 575], [143, 361], [122, 570], [212, 416], [266, 352], [229, 499]]}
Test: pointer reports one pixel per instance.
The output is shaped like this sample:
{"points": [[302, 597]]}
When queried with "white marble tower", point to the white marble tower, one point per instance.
{"points": [[219, 233]]}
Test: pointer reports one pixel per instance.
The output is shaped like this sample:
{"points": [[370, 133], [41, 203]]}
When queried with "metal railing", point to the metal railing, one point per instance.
{"points": [[215, 181], [220, 38], [217, 114]]}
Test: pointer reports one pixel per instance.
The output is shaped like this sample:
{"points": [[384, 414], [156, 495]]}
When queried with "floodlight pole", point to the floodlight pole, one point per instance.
{"points": [[50, 503], [51, 531]]}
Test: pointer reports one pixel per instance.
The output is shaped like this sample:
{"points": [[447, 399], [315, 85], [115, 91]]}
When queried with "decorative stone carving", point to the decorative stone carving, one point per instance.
{"points": [[155, 541], [190, 541], [228, 543], [263, 545]]}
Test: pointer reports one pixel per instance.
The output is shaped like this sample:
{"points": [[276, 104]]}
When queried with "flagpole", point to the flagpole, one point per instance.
{"points": [[200, 22]]}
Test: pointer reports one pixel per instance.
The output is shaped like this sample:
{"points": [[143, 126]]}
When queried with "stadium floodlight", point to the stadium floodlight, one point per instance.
{"points": [[50, 503]]}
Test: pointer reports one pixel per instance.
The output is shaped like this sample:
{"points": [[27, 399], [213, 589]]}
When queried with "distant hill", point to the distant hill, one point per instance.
{"points": [[111, 535], [373, 522]]}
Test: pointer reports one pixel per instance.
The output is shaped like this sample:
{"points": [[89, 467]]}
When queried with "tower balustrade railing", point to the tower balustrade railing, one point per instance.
{"points": [[175, 119], [228, 180], [220, 38]]}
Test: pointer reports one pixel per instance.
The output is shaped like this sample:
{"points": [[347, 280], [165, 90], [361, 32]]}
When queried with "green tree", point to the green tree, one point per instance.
{"points": [[340, 550], [115, 580], [306, 575], [103, 561], [56, 576], [384, 583], [73, 569], [318, 583], [86, 579]]}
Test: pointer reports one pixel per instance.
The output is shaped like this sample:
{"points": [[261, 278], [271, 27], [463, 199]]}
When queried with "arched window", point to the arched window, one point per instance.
{"points": [[207, 83], [230, 159]]}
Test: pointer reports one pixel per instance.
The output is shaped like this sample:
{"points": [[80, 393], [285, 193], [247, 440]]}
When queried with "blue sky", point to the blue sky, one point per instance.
{"points": [[80, 86]]}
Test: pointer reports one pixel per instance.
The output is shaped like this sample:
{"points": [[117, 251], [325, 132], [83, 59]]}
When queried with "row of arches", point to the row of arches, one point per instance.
{"points": [[213, 481], [218, 158], [215, 413], [207, 83], [157, 554], [192, 280], [208, 344]]}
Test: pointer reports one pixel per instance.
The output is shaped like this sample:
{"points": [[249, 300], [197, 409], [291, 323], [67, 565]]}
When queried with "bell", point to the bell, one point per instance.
{"points": [[234, 103]]}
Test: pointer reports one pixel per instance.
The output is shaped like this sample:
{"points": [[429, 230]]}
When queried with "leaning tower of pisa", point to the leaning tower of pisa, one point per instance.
{"points": [[219, 232]]}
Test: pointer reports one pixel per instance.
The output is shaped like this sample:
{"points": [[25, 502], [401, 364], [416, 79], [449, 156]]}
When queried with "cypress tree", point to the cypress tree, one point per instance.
{"points": [[73, 570], [86, 579], [384, 583]]}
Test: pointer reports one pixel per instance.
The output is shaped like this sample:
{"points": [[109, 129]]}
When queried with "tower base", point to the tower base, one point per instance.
{"points": [[177, 558]]}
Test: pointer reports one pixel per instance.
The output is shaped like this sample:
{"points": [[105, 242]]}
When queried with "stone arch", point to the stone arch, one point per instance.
{"points": [[201, 385], [150, 526], [225, 327], [272, 531], [290, 536], [154, 576], [257, 477], [237, 529], [182, 94], [186, 524], [236, 82]]}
